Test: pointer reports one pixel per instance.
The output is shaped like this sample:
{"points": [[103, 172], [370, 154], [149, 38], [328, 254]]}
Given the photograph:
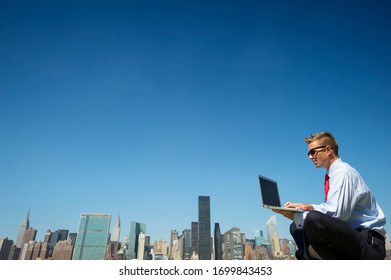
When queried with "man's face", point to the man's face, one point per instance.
{"points": [[318, 154]]}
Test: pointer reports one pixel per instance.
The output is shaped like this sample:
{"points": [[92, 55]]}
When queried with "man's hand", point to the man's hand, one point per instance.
{"points": [[302, 206], [290, 214]]}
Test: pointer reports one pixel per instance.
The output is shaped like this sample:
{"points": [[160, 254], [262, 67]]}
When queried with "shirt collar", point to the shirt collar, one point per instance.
{"points": [[334, 166]]}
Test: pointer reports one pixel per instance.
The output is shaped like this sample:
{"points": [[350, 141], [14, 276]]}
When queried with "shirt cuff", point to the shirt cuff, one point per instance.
{"points": [[299, 219]]}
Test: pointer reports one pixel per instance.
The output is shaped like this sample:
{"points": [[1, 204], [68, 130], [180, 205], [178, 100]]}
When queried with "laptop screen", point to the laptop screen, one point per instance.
{"points": [[269, 191]]}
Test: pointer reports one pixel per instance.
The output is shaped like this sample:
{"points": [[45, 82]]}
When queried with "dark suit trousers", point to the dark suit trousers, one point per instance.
{"points": [[334, 239]]}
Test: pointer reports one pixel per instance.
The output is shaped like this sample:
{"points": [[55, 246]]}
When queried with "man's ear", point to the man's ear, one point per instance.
{"points": [[330, 152]]}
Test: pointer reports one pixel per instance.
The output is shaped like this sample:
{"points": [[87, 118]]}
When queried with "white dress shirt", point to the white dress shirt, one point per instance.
{"points": [[350, 199]]}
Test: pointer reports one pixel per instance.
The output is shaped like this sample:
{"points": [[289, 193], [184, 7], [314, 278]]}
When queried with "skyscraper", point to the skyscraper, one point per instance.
{"points": [[116, 230], [204, 235], [271, 228], [28, 237], [194, 239], [5, 248], [135, 230], [22, 229], [272, 236], [92, 236], [141, 246], [259, 238], [173, 238], [218, 242], [233, 249], [186, 244]]}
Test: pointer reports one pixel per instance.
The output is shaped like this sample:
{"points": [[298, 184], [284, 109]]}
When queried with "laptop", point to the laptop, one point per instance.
{"points": [[270, 196]]}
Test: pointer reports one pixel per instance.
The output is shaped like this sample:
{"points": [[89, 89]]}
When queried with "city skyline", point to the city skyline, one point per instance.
{"points": [[137, 107], [96, 240], [125, 233]]}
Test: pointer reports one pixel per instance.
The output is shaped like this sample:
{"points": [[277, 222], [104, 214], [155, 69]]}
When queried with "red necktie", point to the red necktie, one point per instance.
{"points": [[326, 186]]}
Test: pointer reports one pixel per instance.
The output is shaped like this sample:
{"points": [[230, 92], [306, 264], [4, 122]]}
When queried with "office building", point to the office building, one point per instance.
{"points": [[173, 238], [204, 234], [218, 242], [22, 230], [48, 236], [44, 251], [37, 250], [233, 246], [178, 245], [116, 230], [186, 244], [63, 250], [26, 251], [248, 250], [135, 229], [28, 238], [272, 237], [285, 247], [5, 248], [34, 250], [58, 235], [72, 237], [161, 248], [92, 236], [261, 253], [271, 228], [259, 238], [194, 239], [112, 250], [14, 253], [141, 247]]}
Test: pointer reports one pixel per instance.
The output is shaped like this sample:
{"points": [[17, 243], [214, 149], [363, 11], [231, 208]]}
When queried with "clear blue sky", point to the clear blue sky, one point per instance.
{"points": [[139, 107]]}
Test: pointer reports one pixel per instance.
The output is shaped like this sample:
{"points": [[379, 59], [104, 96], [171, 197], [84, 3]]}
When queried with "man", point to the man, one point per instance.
{"points": [[349, 224]]}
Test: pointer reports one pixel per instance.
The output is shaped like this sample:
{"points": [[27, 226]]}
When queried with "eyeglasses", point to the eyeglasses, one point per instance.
{"points": [[314, 151]]}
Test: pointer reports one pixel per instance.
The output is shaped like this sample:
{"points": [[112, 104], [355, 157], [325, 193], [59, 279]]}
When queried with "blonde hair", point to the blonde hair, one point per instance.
{"points": [[326, 139]]}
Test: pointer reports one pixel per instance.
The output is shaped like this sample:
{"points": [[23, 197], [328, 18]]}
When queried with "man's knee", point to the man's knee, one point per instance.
{"points": [[314, 221], [313, 217]]}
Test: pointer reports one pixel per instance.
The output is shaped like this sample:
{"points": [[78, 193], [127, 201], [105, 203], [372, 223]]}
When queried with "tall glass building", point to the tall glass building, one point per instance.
{"points": [[135, 230], [187, 244], [204, 235], [259, 238], [271, 228], [92, 236], [218, 242]]}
